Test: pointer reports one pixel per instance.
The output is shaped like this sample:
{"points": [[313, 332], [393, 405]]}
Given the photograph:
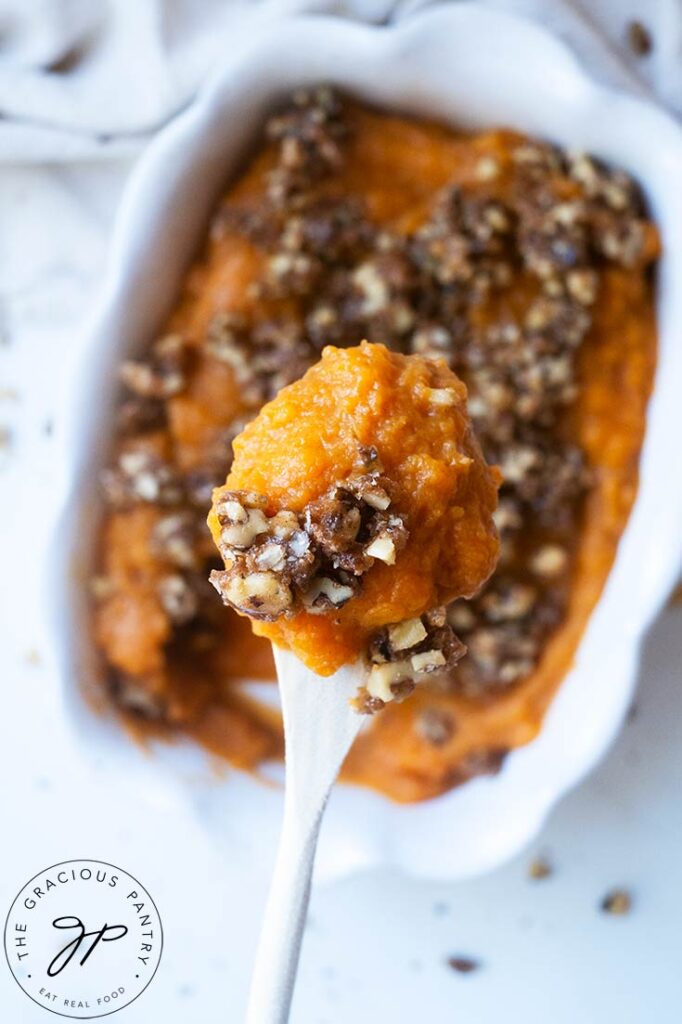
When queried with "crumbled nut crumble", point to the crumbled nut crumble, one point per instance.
{"points": [[406, 653], [178, 598], [133, 695], [278, 564], [435, 726], [163, 374], [137, 415], [174, 538], [141, 476]]}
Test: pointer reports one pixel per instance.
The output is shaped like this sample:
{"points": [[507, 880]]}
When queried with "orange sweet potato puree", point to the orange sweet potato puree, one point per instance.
{"points": [[307, 439], [396, 165], [617, 363]]}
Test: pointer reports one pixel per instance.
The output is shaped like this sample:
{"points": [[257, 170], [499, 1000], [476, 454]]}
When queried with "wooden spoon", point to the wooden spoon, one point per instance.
{"points": [[319, 728]]}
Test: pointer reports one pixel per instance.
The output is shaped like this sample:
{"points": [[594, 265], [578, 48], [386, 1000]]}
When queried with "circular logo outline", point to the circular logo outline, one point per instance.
{"points": [[44, 871]]}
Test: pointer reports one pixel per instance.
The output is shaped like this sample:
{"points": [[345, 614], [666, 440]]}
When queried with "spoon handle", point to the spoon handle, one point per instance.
{"points": [[274, 974], [319, 728]]}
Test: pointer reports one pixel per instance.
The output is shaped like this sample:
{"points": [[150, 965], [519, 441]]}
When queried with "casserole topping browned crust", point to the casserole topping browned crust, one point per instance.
{"points": [[313, 559]]}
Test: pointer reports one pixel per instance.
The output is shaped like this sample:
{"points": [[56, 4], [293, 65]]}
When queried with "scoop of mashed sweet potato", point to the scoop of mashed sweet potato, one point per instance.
{"points": [[409, 413]]}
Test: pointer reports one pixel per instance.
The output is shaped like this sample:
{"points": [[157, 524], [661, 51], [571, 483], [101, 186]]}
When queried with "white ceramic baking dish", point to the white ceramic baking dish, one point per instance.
{"points": [[469, 67]]}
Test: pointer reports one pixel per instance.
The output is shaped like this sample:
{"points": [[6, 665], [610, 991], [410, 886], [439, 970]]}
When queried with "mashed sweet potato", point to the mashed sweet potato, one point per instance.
{"points": [[409, 533], [528, 270]]}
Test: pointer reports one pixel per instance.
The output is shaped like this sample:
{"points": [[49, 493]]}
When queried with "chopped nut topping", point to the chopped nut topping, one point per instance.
{"points": [[373, 288], [137, 696], [318, 556], [325, 594], [487, 169], [140, 476], [372, 490], [289, 273], [382, 681], [227, 340], [242, 519], [461, 617], [435, 726], [406, 653], [383, 548], [351, 527], [427, 661], [432, 340], [175, 540], [261, 595], [178, 599], [549, 561], [406, 634], [163, 374], [309, 133], [102, 587], [137, 415], [508, 601]]}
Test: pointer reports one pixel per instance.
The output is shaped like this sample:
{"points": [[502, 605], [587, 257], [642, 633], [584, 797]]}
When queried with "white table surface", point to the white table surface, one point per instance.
{"points": [[377, 944]]}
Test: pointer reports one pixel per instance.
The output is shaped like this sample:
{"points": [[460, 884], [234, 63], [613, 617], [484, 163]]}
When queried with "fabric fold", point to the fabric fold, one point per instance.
{"points": [[85, 81]]}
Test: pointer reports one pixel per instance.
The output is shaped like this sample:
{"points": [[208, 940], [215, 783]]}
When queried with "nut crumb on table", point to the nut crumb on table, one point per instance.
{"points": [[540, 868], [617, 902], [639, 39], [464, 964]]}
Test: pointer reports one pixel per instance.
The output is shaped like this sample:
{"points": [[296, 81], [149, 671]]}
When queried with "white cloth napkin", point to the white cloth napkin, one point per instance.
{"points": [[84, 80]]}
